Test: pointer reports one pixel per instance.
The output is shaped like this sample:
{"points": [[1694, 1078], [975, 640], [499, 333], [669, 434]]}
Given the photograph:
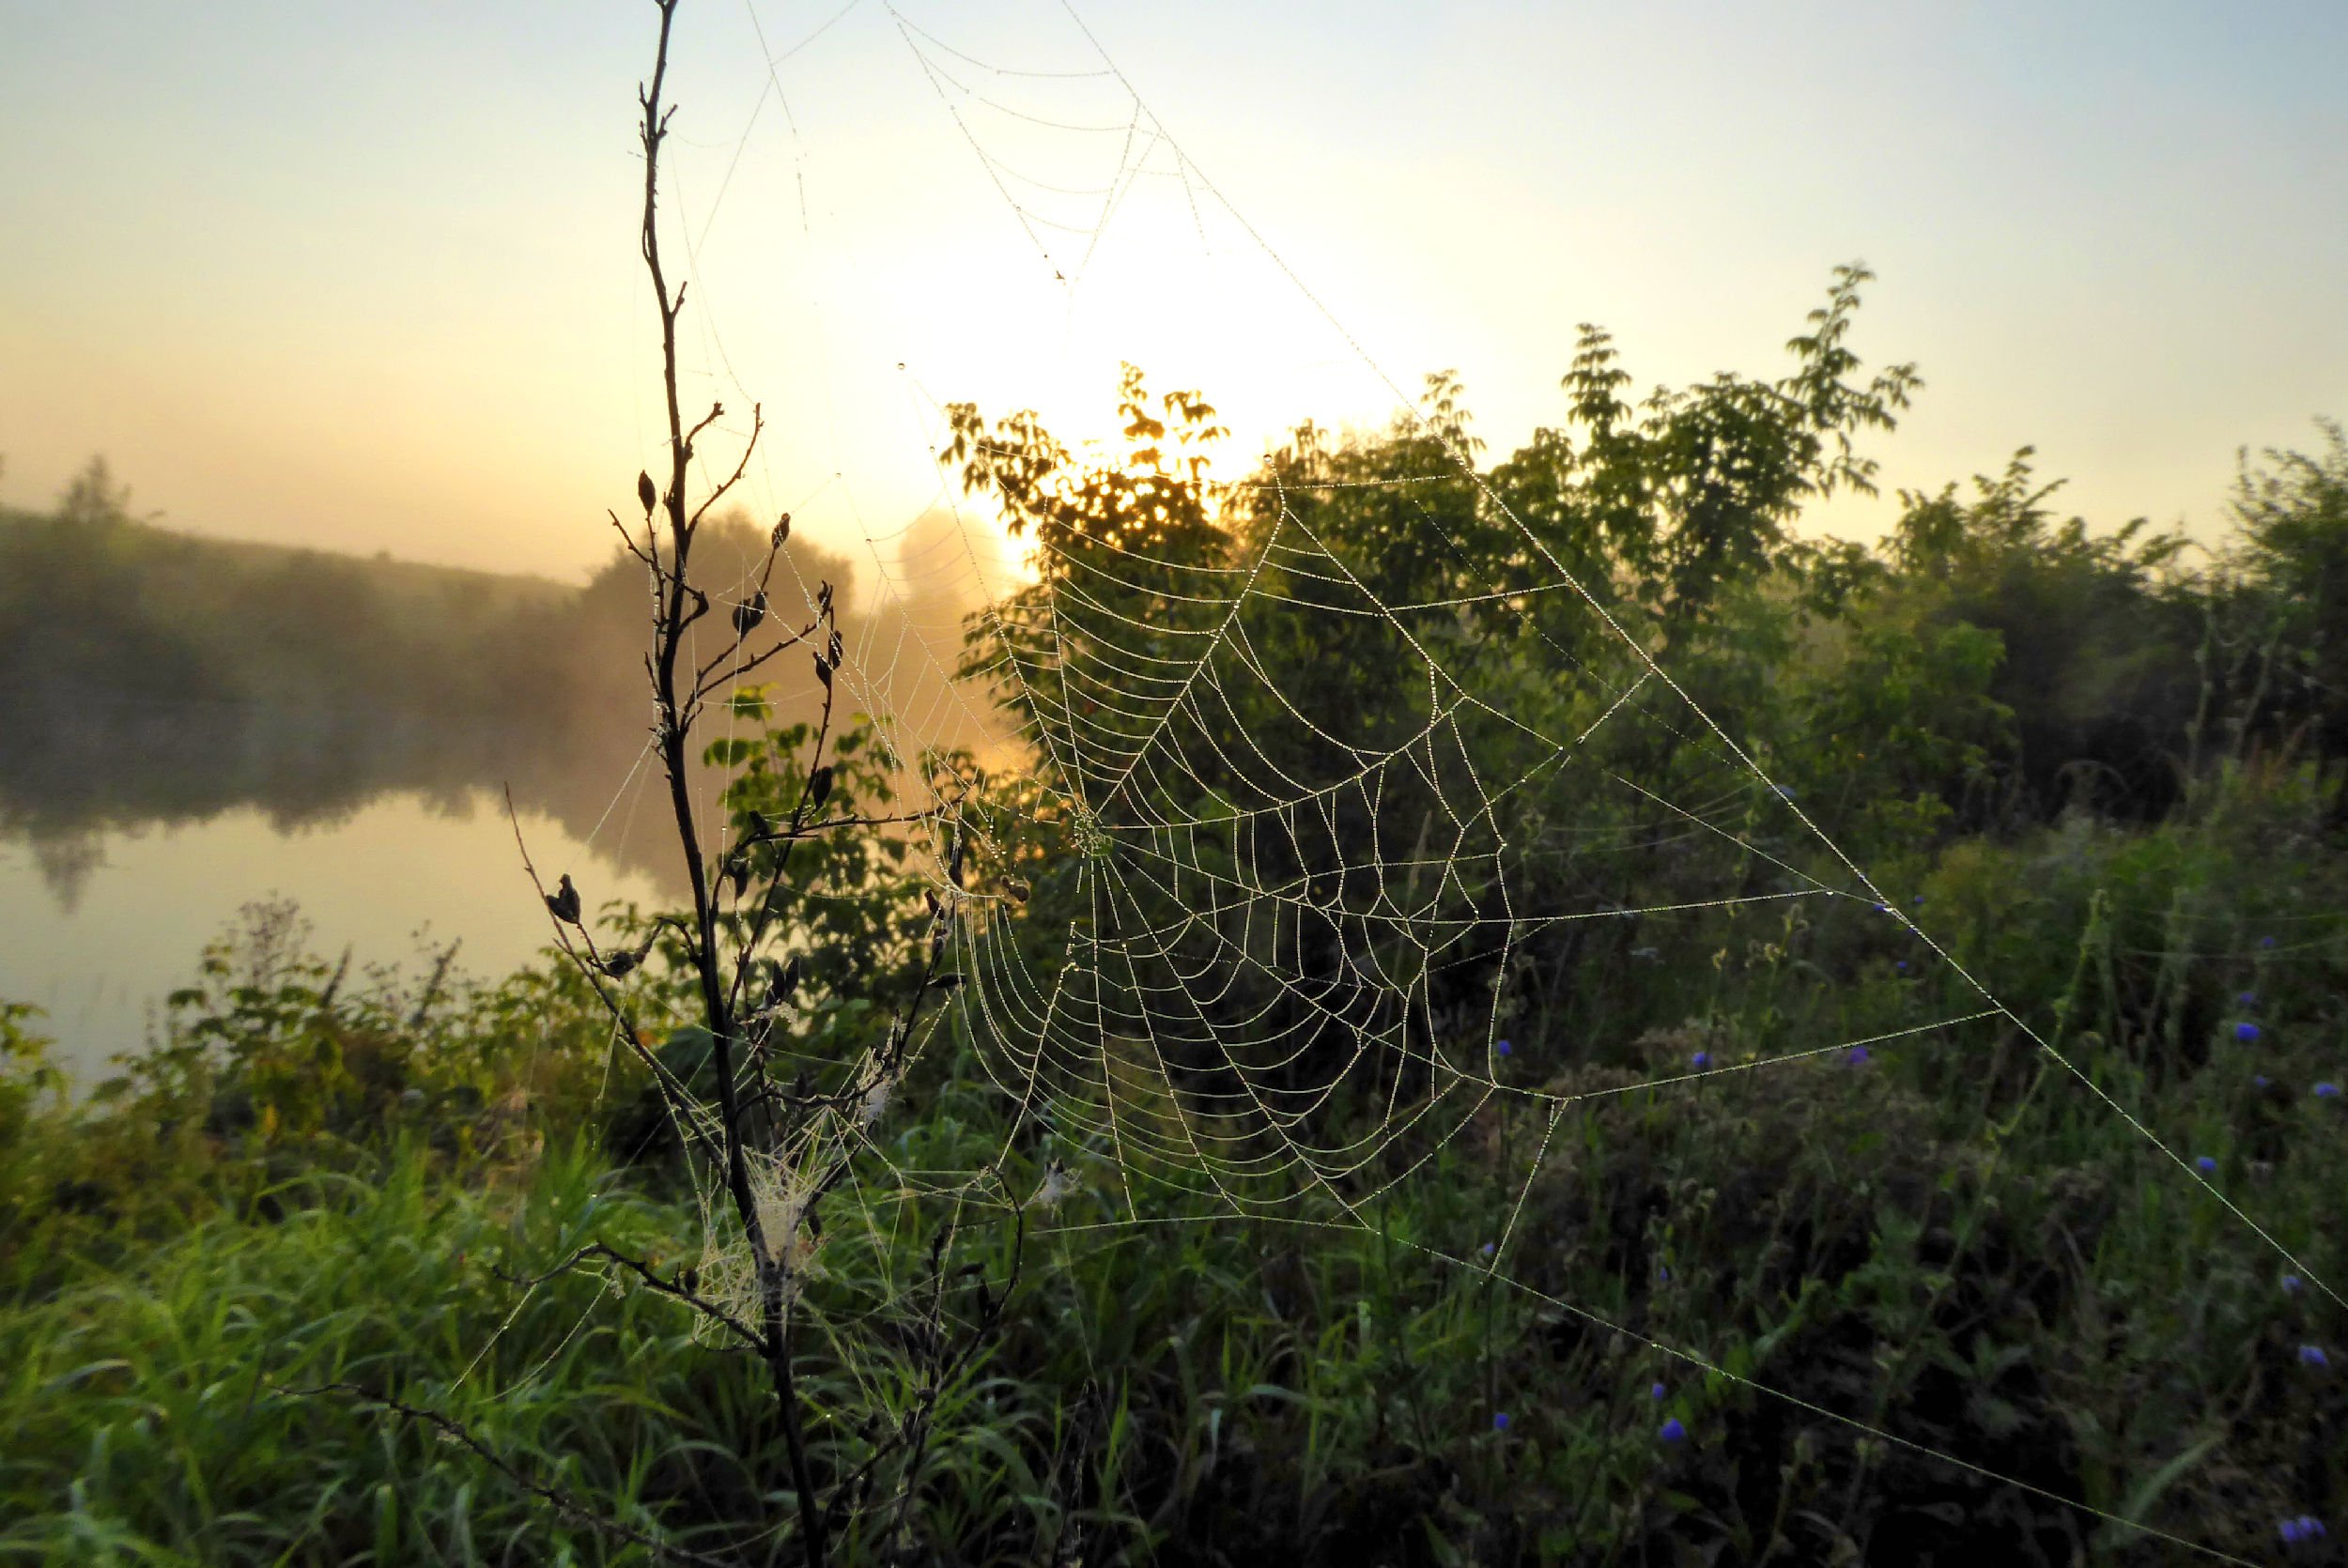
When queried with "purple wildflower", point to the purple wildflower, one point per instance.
{"points": [[1663, 1273], [2209, 1166], [2291, 1530], [1903, 966], [2266, 942], [1486, 1249], [1672, 1432], [1504, 1048], [2291, 1284], [1657, 1389], [2247, 1032], [1857, 1056], [2307, 1527], [2247, 999], [2260, 1078], [2326, 1090], [1500, 1420], [1701, 1060], [2313, 1355]]}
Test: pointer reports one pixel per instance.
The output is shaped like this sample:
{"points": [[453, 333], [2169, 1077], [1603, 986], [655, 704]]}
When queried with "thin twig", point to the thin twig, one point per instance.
{"points": [[758, 424], [644, 1271], [673, 1092]]}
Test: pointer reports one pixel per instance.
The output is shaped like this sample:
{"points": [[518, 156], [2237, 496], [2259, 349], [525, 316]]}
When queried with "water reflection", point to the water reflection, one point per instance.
{"points": [[84, 782], [394, 878], [86, 785]]}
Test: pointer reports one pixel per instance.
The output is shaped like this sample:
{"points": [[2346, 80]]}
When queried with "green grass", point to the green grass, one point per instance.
{"points": [[1953, 1243], [148, 1420]]}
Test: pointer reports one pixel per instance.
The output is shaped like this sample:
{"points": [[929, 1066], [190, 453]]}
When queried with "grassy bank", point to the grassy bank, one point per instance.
{"points": [[313, 1192]]}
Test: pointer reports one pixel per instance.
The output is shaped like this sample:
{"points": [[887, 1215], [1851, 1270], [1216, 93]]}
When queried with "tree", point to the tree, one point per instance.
{"points": [[93, 499], [2097, 632], [2286, 585]]}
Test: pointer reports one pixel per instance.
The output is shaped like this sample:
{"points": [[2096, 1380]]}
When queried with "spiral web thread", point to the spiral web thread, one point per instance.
{"points": [[1244, 982]]}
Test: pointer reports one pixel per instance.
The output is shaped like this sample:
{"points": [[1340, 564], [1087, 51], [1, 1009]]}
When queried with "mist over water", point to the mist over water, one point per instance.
{"points": [[192, 728]]}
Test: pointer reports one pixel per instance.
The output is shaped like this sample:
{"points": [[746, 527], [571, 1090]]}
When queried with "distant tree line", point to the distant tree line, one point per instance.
{"points": [[150, 674]]}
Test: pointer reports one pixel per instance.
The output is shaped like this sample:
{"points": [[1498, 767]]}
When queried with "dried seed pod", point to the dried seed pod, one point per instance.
{"points": [[783, 531], [646, 494], [628, 960], [819, 787], [747, 617]]}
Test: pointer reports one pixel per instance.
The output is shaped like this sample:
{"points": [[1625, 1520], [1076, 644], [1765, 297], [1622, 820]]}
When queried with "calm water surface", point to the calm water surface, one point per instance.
{"points": [[99, 944]]}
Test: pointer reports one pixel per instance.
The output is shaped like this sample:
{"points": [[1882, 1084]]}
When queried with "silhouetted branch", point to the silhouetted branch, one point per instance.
{"points": [[758, 427], [677, 1289]]}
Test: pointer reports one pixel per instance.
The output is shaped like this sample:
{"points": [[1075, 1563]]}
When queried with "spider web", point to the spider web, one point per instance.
{"points": [[1298, 946]]}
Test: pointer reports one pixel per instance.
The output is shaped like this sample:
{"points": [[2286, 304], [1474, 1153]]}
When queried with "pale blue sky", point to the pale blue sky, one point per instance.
{"points": [[362, 275]]}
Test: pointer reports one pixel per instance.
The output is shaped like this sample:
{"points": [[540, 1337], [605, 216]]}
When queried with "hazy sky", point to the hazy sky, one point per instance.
{"points": [[362, 275]]}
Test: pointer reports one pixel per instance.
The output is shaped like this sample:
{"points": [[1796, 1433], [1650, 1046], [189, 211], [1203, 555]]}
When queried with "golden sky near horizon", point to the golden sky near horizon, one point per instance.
{"points": [[364, 277]]}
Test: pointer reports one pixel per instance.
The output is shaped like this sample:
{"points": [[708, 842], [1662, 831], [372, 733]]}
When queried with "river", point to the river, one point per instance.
{"points": [[99, 930]]}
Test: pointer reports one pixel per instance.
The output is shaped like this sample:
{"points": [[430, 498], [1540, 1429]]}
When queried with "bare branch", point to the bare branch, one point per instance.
{"points": [[834, 824], [717, 411], [758, 424], [797, 640], [701, 679], [630, 540], [675, 1288]]}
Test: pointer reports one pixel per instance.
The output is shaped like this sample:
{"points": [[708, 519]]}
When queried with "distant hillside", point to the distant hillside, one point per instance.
{"points": [[255, 557]]}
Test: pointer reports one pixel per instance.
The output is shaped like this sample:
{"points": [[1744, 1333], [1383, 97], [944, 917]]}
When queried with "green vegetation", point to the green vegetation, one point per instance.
{"points": [[2112, 783]]}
